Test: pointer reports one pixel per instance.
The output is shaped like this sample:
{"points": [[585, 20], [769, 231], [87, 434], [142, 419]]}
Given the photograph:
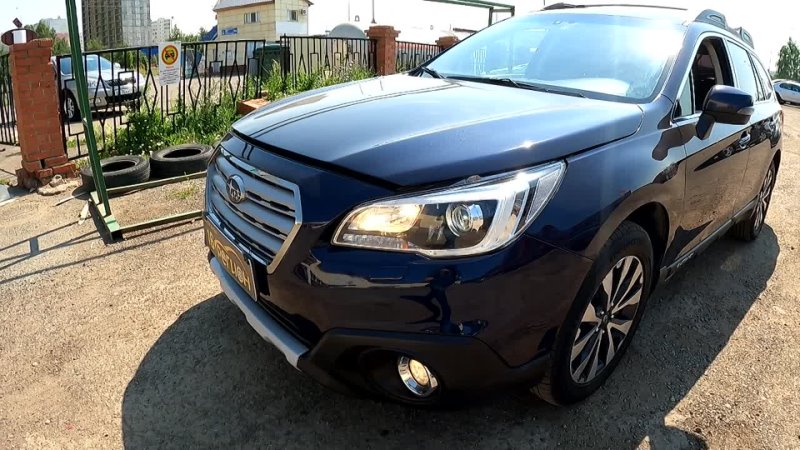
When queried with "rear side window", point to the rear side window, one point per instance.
{"points": [[745, 78], [764, 76]]}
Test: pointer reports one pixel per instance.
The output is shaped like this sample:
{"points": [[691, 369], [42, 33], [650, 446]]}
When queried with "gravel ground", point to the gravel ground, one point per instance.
{"points": [[132, 345]]}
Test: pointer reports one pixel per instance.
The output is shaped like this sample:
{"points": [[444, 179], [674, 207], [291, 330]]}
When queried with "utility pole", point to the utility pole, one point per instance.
{"points": [[373, 12]]}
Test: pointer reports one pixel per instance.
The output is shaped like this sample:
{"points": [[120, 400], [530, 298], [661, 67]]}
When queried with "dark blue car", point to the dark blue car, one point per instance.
{"points": [[500, 215]]}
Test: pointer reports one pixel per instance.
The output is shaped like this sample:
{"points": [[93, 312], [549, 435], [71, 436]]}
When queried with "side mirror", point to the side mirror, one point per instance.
{"points": [[724, 104]]}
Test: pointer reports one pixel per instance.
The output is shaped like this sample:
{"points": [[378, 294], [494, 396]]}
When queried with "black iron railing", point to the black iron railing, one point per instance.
{"points": [[126, 79], [8, 116], [414, 54], [314, 54]]}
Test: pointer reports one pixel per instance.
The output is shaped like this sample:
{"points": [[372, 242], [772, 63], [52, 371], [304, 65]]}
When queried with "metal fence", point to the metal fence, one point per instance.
{"points": [[126, 79], [414, 54], [8, 116], [313, 54]]}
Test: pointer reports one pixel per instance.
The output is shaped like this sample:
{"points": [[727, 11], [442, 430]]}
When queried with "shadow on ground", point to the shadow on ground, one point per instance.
{"points": [[209, 381]]}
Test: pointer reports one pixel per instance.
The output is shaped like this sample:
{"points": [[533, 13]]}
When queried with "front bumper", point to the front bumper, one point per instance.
{"points": [[344, 358], [339, 313]]}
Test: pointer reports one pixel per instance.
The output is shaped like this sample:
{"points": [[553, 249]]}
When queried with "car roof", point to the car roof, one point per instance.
{"points": [[706, 19], [677, 15]]}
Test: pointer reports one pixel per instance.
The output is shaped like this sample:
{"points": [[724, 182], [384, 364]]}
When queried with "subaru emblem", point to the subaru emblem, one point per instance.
{"points": [[236, 193]]}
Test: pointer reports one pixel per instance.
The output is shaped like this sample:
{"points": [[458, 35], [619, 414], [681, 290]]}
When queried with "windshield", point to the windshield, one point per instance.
{"points": [[613, 56], [91, 62]]}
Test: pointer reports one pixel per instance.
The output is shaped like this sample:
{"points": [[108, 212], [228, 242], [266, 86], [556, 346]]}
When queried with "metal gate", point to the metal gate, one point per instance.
{"points": [[8, 117], [125, 80]]}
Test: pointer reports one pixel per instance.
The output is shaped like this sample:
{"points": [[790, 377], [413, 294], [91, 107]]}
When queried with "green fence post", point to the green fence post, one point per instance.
{"points": [[83, 100]]}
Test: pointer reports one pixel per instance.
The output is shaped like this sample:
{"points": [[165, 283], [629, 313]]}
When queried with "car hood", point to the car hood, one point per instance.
{"points": [[409, 130]]}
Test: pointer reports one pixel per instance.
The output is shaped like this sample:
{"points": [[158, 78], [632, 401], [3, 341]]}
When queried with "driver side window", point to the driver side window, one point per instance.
{"points": [[710, 67]]}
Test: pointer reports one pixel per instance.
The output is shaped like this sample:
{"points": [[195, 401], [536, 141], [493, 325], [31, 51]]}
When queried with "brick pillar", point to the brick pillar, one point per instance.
{"points": [[446, 42], [386, 48], [38, 120]]}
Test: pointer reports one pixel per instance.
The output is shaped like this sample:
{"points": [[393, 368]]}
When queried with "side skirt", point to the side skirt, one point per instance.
{"points": [[669, 271]]}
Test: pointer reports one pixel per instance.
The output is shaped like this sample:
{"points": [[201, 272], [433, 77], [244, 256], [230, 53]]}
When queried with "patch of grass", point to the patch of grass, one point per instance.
{"points": [[205, 123], [185, 193], [5, 182], [278, 87], [81, 163]]}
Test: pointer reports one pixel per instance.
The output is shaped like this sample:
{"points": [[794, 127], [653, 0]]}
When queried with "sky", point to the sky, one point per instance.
{"points": [[422, 21]]}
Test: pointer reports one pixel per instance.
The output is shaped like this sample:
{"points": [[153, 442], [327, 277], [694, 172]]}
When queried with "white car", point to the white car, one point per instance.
{"points": [[108, 83], [788, 91]]}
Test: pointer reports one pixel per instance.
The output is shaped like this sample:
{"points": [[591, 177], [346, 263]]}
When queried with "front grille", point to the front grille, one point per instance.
{"points": [[266, 220]]}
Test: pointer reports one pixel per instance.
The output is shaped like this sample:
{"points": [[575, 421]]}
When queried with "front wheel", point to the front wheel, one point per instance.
{"points": [[602, 320], [71, 110]]}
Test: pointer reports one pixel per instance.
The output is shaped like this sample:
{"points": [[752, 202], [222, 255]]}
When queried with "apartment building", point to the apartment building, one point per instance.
{"points": [[116, 22]]}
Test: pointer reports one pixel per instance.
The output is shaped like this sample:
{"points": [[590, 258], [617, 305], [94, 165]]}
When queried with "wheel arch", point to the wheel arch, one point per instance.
{"points": [[650, 214]]}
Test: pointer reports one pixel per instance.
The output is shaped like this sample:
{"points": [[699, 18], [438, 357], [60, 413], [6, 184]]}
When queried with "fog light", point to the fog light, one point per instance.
{"points": [[416, 377]]}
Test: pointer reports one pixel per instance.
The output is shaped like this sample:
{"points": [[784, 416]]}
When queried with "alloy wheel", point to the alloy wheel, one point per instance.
{"points": [[763, 199], [69, 107], [607, 320]]}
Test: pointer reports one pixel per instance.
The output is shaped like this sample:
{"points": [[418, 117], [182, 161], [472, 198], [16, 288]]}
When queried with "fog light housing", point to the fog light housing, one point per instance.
{"points": [[417, 377]]}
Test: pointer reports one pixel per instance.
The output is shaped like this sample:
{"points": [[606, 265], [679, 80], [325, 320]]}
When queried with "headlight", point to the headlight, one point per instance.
{"points": [[462, 220]]}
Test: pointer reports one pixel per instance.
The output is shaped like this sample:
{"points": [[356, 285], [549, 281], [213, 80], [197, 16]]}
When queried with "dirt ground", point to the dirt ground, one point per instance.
{"points": [[132, 345]]}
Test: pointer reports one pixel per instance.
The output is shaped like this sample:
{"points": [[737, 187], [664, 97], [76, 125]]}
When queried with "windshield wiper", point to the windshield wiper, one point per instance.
{"points": [[517, 84], [431, 72]]}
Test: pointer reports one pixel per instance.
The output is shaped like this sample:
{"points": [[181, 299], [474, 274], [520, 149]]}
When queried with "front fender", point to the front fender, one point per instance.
{"points": [[605, 186]]}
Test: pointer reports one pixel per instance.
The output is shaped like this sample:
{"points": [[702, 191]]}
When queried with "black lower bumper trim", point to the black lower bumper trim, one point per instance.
{"points": [[462, 363]]}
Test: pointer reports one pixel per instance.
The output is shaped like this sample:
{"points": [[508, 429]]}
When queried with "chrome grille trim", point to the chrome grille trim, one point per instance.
{"points": [[267, 221]]}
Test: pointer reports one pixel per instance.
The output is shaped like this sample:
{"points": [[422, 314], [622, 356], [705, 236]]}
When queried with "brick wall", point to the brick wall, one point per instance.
{"points": [[37, 106], [385, 48]]}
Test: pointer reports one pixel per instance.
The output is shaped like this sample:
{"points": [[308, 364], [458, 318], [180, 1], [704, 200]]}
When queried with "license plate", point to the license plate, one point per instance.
{"points": [[231, 258]]}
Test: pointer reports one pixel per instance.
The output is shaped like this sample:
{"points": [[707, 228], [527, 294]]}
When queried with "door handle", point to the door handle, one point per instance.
{"points": [[745, 140]]}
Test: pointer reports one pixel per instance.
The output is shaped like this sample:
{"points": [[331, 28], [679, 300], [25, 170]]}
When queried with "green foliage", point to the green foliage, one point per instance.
{"points": [[44, 31], [206, 123], [94, 45], [177, 35], [278, 87], [789, 62]]}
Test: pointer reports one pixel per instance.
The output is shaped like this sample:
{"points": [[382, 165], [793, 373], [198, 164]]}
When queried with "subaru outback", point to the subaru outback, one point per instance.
{"points": [[500, 215]]}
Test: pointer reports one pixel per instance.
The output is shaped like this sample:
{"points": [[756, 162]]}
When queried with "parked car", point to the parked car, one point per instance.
{"points": [[787, 91], [470, 225], [108, 84]]}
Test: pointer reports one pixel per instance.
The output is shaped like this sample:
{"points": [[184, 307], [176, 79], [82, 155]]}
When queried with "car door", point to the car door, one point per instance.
{"points": [[715, 166], [766, 120]]}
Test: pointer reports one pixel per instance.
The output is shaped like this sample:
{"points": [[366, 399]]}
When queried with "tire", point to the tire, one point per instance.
{"points": [[180, 160], [119, 171], [72, 111], [627, 251], [780, 99], [748, 229]]}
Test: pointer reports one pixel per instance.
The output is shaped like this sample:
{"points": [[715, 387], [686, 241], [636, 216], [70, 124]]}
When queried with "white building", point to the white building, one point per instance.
{"points": [[58, 24], [160, 30]]}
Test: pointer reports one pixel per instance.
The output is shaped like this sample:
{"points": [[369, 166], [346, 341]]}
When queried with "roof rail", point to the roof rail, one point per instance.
{"points": [[712, 17], [563, 5], [718, 19]]}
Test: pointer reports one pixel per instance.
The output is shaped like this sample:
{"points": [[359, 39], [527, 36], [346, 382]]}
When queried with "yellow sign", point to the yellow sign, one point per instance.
{"points": [[169, 63], [169, 55]]}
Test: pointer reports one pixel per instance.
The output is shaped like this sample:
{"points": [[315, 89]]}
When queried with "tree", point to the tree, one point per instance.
{"points": [[789, 62], [44, 31], [178, 35], [94, 45]]}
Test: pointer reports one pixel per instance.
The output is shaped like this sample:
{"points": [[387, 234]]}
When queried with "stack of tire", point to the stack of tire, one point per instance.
{"points": [[170, 162]]}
